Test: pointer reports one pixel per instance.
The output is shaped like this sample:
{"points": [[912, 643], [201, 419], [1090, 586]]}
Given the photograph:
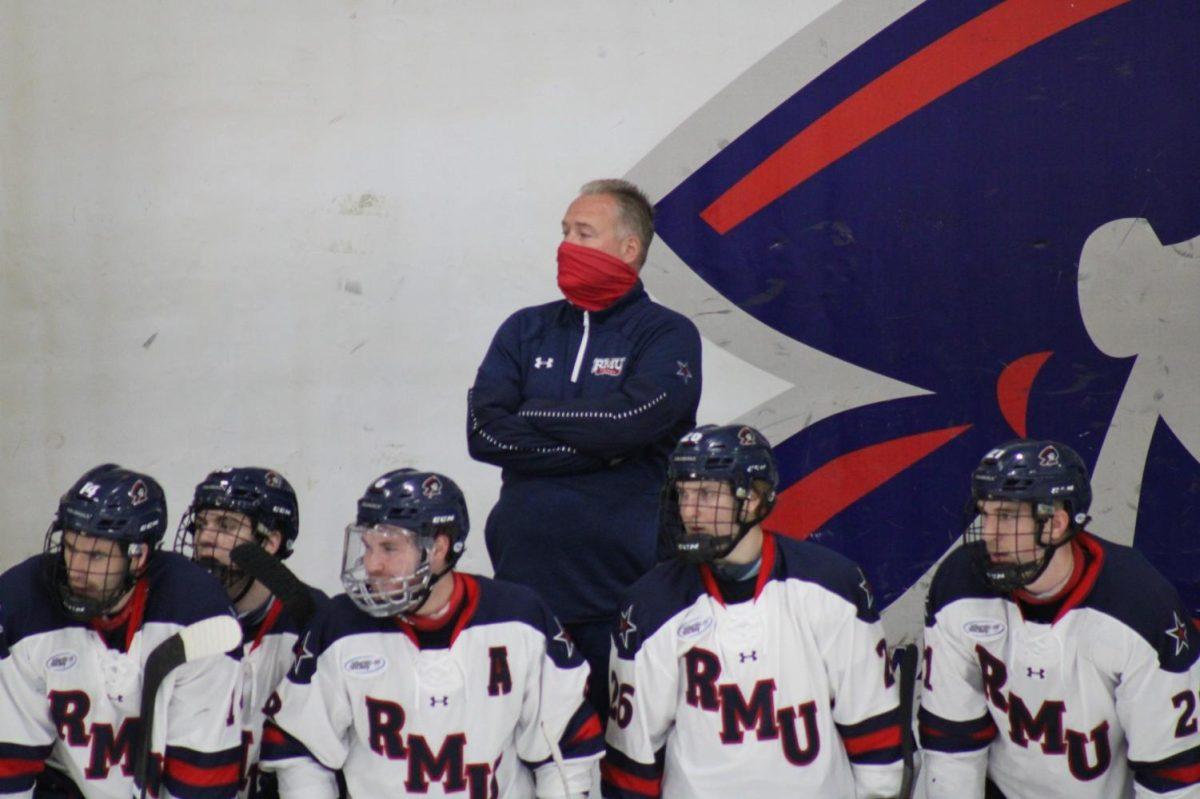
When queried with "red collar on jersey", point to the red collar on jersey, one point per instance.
{"points": [[268, 622], [764, 571], [1089, 558], [131, 614], [464, 599]]}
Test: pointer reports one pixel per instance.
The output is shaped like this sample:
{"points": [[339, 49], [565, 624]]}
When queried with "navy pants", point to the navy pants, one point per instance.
{"points": [[594, 639]]}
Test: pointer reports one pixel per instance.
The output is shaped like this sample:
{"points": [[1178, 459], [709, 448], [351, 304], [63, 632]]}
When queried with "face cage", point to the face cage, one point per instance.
{"points": [[237, 583], [1023, 566], [697, 548], [385, 597], [83, 607]]}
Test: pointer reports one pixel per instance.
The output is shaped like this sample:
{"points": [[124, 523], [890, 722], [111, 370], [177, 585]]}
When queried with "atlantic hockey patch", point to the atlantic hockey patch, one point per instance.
{"points": [[364, 665], [984, 629], [61, 661], [695, 628]]}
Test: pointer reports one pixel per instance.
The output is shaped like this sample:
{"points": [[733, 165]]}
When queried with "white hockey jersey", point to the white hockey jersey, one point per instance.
{"points": [[72, 702], [269, 651], [789, 693], [1098, 699], [471, 709]]}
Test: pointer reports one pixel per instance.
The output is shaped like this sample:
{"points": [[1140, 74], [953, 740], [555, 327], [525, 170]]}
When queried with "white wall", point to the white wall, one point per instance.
{"points": [[283, 233]]}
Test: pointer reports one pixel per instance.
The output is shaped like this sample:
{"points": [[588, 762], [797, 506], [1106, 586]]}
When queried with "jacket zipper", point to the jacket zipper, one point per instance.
{"points": [[582, 346]]}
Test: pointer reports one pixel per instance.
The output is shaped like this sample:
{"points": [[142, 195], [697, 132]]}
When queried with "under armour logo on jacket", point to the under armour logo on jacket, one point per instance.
{"points": [[434, 701], [543, 363], [751, 655], [1040, 673]]}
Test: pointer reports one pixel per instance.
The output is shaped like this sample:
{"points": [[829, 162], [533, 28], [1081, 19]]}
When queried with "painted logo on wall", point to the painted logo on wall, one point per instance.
{"points": [[994, 209]]}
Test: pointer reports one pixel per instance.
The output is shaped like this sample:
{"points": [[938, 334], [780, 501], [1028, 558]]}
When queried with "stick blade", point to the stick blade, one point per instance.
{"points": [[212, 636], [278, 578]]}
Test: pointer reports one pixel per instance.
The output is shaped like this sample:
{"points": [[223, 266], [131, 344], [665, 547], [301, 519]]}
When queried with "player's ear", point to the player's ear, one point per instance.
{"points": [[441, 551], [272, 541], [138, 557], [1060, 524]]}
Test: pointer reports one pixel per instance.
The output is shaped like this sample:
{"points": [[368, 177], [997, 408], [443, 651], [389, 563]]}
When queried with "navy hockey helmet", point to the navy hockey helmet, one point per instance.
{"points": [[736, 455], [419, 506], [268, 504], [1041, 476], [111, 503], [263, 495]]}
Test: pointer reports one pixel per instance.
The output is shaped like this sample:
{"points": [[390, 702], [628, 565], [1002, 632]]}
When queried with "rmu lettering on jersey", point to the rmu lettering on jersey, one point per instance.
{"points": [[742, 692]]}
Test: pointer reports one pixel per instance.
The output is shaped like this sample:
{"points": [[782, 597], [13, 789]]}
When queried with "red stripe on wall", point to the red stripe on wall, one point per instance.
{"points": [[962, 54]]}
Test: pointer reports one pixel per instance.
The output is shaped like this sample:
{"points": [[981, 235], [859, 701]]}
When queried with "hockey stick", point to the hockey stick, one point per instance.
{"points": [[908, 680], [279, 580], [211, 636]]}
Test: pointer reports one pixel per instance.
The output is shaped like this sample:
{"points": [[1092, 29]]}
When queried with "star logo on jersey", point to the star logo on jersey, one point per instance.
{"points": [[564, 639], [684, 372], [1179, 632], [305, 664], [866, 589], [626, 627]]}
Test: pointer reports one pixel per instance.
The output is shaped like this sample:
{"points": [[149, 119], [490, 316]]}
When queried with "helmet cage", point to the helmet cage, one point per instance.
{"points": [[1040, 477], [734, 455], [1018, 566], [89, 604], [392, 595], [244, 531], [708, 547]]}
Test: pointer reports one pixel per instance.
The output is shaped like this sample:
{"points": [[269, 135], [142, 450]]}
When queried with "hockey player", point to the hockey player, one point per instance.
{"points": [[76, 626], [1056, 664], [420, 680], [231, 507], [753, 665]]}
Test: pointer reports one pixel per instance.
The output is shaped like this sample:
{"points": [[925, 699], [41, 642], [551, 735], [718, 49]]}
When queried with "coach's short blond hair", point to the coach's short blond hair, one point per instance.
{"points": [[635, 214]]}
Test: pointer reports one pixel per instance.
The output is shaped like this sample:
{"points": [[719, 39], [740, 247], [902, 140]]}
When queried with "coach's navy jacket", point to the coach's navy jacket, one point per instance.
{"points": [[580, 409]]}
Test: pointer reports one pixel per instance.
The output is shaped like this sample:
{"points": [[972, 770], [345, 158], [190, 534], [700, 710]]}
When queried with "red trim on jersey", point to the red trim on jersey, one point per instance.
{"points": [[465, 595], [471, 588], [271, 734], [202, 776], [886, 738], [132, 613], [764, 571], [436, 621], [1188, 775], [268, 622], [768, 563], [710, 584], [589, 729], [1078, 562], [20, 767], [1088, 581], [986, 734], [628, 782]]}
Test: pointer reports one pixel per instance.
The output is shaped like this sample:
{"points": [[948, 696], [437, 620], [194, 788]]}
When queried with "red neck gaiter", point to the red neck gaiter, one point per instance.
{"points": [[592, 279]]}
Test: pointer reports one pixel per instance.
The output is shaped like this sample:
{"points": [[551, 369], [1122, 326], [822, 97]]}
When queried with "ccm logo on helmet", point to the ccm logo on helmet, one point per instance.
{"points": [[442, 519]]}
